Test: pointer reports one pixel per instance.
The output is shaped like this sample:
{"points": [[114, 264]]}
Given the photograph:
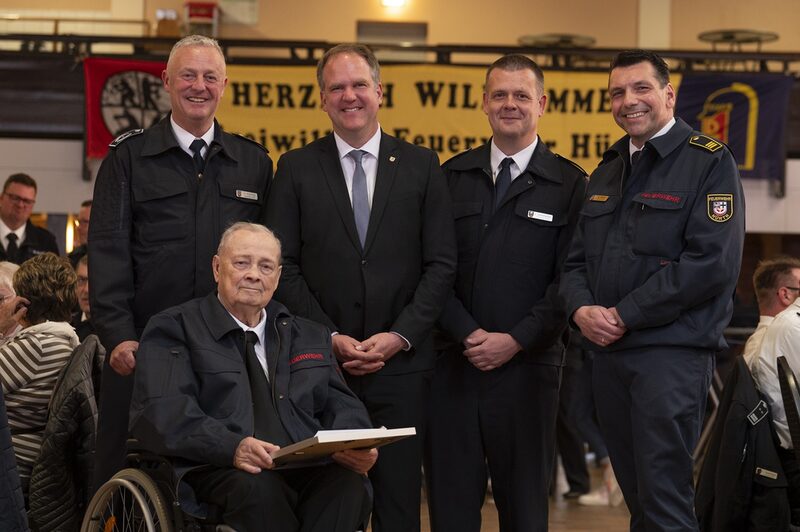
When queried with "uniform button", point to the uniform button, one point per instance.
{"points": [[530, 181], [280, 396], [283, 323], [364, 262], [486, 226]]}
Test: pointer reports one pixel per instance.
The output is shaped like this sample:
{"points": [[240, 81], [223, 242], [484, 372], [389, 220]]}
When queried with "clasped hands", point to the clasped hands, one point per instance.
{"points": [[599, 325], [490, 350], [369, 356]]}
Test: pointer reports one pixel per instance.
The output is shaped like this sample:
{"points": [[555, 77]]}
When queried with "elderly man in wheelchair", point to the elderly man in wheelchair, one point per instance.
{"points": [[223, 381]]}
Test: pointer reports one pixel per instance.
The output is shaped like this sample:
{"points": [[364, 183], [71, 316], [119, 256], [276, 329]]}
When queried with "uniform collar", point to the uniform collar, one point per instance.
{"points": [[161, 138], [542, 163], [664, 144], [220, 322]]}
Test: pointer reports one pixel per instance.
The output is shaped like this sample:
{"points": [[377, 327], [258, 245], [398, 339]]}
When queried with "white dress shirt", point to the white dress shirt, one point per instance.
{"points": [[369, 162], [753, 345], [521, 159], [185, 138], [781, 338], [260, 347], [5, 231]]}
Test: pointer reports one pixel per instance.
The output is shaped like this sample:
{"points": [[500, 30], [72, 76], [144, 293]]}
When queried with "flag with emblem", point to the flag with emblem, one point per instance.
{"points": [[121, 95], [743, 110]]}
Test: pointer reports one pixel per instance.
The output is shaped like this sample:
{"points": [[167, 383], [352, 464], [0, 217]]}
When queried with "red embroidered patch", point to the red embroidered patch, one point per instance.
{"points": [[661, 196], [306, 356]]}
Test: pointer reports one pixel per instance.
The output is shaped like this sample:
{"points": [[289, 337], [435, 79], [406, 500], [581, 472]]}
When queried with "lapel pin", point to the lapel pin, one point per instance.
{"points": [[392, 158]]}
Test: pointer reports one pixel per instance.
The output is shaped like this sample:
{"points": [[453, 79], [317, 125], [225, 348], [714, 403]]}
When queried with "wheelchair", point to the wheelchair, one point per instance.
{"points": [[143, 498]]}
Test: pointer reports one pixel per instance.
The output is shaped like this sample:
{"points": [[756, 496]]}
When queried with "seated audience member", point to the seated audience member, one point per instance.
{"points": [[7, 294], [19, 238], [31, 361], [782, 338], [82, 235], [82, 320], [777, 284], [204, 371]]}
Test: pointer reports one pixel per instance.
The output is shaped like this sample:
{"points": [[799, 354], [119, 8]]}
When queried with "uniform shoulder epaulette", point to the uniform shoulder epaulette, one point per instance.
{"points": [[251, 140], [573, 163], [125, 136], [705, 143]]}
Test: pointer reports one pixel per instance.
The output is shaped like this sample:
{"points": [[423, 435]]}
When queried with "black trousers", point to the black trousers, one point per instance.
{"points": [[568, 439], [112, 424], [326, 498], [396, 401], [650, 403], [506, 418]]}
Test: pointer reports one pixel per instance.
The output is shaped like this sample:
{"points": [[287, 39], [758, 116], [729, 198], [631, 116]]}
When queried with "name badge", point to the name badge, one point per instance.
{"points": [[599, 197], [246, 194], [535, 215]]}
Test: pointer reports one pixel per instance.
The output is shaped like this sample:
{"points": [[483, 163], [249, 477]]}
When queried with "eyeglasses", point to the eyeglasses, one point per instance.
{"points": [[793, 288], [19, 199]]}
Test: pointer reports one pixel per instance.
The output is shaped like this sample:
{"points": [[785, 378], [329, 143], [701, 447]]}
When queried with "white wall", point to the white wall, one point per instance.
{"points": [[56, 166]]}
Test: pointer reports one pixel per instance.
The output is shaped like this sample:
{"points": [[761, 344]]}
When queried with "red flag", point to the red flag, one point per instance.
{"points": [[121, 95]]}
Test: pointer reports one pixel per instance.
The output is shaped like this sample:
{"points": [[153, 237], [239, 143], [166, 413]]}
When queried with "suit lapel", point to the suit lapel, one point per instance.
{"points": [[388, 160], [332, 169]]}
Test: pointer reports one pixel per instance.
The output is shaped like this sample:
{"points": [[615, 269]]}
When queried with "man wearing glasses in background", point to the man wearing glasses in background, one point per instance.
{"points": [[21, 239]]}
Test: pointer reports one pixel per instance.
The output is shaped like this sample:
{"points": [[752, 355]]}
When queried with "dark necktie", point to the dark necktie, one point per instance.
{"points": [[360, 196], [635, 158], [503, 181], [11, 249], [259, 387], [197, 146]]}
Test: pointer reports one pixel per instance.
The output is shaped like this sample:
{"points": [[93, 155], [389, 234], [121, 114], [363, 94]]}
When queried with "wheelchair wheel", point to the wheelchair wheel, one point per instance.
{"points": [[129, 502]]}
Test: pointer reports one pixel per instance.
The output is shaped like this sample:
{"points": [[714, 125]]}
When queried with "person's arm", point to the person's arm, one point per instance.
{"points": [[165, 414], [283, 217], [18, 363], [709, 263], [110, 264], [439, 260]]}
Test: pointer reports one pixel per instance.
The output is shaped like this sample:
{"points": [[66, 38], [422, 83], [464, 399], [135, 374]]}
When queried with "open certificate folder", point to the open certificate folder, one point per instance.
{"points": [[327, 442]]}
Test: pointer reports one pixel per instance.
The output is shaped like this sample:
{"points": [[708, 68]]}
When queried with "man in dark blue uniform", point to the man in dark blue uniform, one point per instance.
{"points": [[649, 281], [162, 199], [495, 388]]}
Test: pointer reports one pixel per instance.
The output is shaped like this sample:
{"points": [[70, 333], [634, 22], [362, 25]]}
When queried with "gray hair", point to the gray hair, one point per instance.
{"points": [[195, 40], [350, 48], [7, 270], [252, 228]]}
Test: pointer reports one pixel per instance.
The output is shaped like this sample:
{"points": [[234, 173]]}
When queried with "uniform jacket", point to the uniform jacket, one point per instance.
{"points": [[401, 280], [60, 482], [156, 224], [191, 394], [742, 485], [37, 241], [664, 244], [509, 261]]}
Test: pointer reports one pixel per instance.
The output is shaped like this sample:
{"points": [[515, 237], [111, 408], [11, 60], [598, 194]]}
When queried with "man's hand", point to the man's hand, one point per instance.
{"points": [[356, 460], [385, 344], [353, 356], [599, 325], [123, 357], [252, 455], [12, 309], [487, 351]]}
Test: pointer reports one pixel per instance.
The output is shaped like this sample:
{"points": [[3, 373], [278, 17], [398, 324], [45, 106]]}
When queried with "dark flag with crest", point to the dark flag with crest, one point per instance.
{"points": [[121, 95], [745, 111]]}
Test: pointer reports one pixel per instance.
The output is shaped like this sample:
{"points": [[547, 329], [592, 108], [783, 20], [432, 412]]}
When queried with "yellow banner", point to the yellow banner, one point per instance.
{"points": [[437, 106]]}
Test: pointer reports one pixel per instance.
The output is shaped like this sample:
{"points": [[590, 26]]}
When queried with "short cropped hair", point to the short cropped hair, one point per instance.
{"points": [[350, 48], [83, 261], [634, 57], [48, 282], [195, 40], [252, 228], [86, 203], [22, 179], [513, 62], [771, 274]]}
